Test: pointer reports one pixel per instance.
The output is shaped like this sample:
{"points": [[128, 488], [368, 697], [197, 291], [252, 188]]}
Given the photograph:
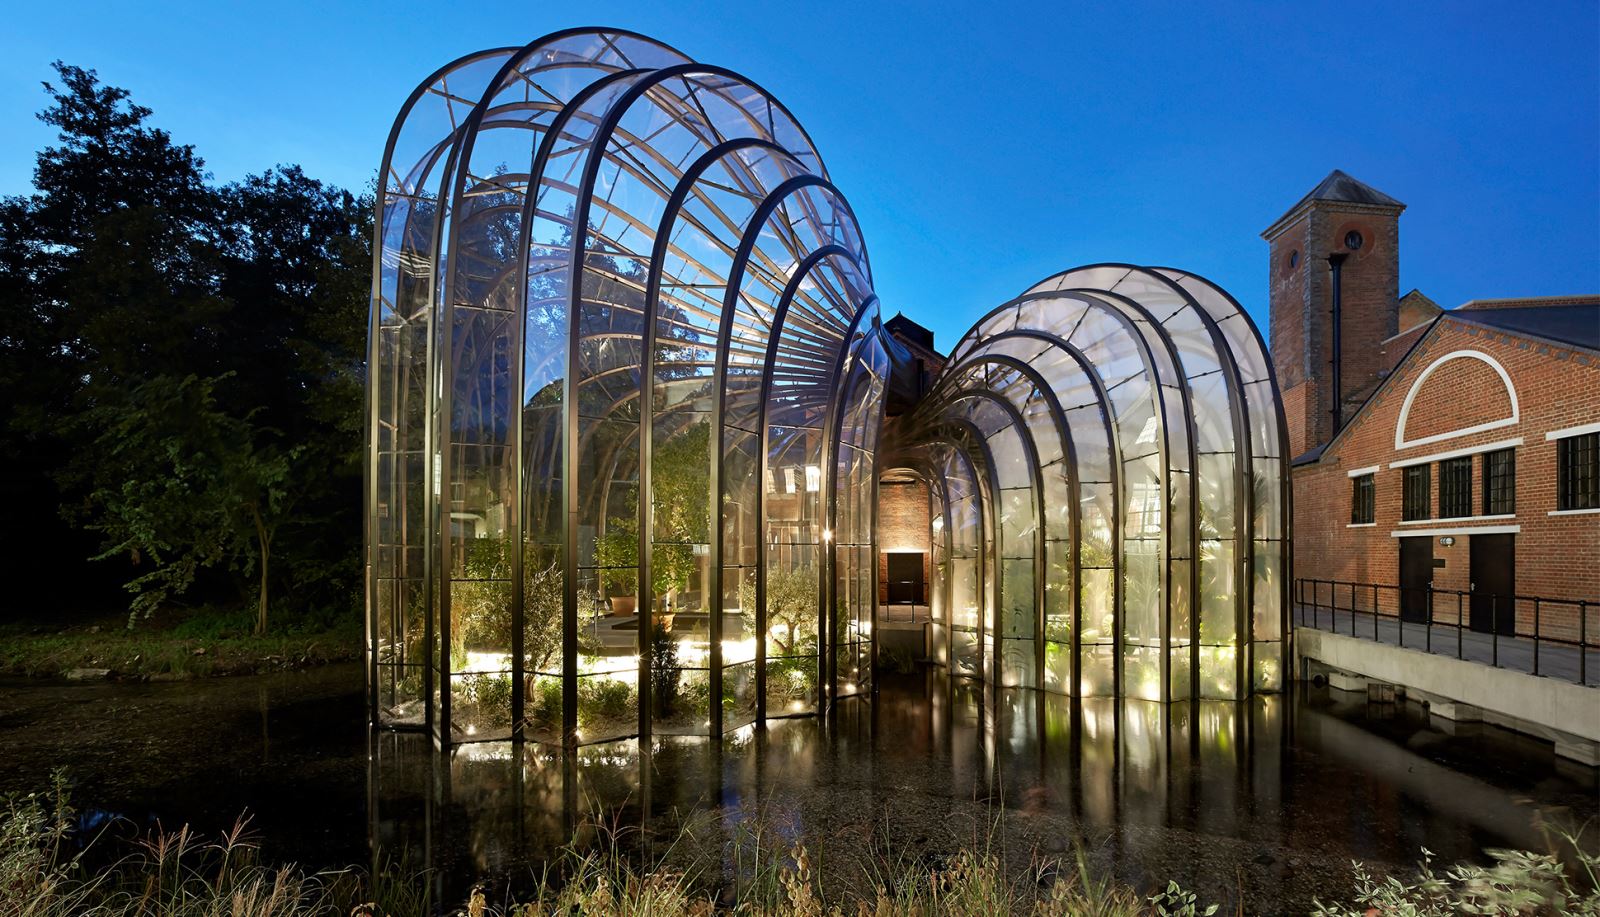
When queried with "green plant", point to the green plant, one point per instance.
{"points": [[1519, 882], [607, 698], [480, 603], [664, 670], [791, 609], [545, 704], [492, 697]]}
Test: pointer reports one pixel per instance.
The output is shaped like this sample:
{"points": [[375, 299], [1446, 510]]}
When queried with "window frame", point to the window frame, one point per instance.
{"points": [[1417, 484], [1363, 499], [1578, 488], [1455, 487], [1500, 482]]}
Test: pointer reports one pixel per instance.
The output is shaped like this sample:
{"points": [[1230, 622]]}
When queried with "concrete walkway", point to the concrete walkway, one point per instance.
{"points": [[1555, 660]]}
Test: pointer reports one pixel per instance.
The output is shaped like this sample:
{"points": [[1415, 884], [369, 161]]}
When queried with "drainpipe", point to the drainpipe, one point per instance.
{"points": [[1336, 263]]}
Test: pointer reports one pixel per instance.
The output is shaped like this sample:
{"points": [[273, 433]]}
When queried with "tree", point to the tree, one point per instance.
{"points": [[129, 281], [179, 486]]}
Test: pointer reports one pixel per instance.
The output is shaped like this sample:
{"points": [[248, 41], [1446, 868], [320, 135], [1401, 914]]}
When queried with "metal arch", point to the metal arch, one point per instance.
{"points": [[1069, 456], [597, 154], [1108, 303], [1114, 467], [734, 284], [380, 204], [456, 175], [1194, 528], [828, 657], [1243, 497], [568, 439], [1036, 482], [647, 359], [951, 431], [1223, 353], [801, 272], [1286, 493]]}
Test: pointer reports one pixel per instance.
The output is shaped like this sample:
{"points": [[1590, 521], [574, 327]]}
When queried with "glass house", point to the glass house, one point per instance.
{"points": [[626, 420]]}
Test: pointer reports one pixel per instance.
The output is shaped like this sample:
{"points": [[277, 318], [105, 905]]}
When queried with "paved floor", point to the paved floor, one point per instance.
{"points": [[1518, 653]]}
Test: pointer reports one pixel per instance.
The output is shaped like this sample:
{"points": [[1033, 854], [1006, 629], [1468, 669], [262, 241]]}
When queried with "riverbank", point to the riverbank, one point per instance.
{"points": [[174, 647], [52, 866]]}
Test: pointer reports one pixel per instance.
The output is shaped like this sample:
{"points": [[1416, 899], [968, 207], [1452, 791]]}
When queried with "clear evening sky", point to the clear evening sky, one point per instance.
{"points": [[982, 146]]}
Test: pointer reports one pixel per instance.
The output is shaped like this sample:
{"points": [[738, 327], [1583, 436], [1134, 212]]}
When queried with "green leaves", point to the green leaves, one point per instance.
{"points": [[178, 486], [163, 341]]}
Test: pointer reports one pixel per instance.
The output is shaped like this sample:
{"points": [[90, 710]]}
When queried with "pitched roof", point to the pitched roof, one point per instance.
{"points": [[1577, 325], [1339, 187]]}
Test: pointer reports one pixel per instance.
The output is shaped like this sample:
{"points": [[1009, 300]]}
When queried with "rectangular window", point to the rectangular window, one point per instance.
{"points": [[1500, 482], [1578, 472], [1362, 505], [1416, 494], [1455, 488]]}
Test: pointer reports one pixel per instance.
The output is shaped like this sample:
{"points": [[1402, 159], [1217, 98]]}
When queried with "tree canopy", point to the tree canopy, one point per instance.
{"points": [[183, 362]]}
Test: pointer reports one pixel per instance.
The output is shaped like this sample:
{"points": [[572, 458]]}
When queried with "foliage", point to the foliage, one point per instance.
{"points": [[664, 669], [791, 609], [132, 284], [681, 484], [206, 642], [177, 486], [480, 603], [609, 699], [1519, 882], [45, 871]]}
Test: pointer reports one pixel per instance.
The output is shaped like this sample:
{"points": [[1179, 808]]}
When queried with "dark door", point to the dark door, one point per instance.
{"points": [[1494, 583], [1416, 575], [905, 579]]}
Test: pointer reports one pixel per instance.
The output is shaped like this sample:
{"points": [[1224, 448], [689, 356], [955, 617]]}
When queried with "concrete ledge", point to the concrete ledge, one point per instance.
{"points": [[1560, 710]]}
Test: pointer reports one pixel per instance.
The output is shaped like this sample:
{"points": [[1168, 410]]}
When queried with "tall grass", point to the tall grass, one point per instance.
{"points": [[45, 871]]}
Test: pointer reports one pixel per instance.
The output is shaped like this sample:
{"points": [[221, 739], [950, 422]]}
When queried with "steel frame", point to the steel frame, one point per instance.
{"points": [[629, 143]]}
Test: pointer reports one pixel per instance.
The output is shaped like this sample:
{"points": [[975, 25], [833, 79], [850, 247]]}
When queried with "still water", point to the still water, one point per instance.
{"points": [[1263, 802]]}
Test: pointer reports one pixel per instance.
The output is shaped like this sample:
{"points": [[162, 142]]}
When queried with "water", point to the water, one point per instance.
{"points": [[1265, 801]]}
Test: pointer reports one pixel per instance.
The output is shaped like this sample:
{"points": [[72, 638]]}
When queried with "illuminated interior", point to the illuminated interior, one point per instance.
{"points": [[627, 390]]}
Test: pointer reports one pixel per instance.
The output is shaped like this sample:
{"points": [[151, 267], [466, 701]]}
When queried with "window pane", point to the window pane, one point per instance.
{"points": [[1361, 500], [1499, 482], [1455, 488], [1416, 493], [1578, 472]]}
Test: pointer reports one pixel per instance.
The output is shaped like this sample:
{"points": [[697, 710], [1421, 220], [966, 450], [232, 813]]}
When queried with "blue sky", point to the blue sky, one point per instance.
{"points": [[982, 146]]}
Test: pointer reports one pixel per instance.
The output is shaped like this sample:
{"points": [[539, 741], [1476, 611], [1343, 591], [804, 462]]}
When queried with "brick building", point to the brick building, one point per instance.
{"points": [[1451, 449], [903, 499]]}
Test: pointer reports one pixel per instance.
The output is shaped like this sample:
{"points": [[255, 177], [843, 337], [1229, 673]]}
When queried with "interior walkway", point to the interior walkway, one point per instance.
{"points": [[1521, 654]]}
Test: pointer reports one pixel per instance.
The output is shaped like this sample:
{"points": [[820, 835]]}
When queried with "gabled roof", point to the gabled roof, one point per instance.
{"points": [[1338, 187], [1571, 325]]}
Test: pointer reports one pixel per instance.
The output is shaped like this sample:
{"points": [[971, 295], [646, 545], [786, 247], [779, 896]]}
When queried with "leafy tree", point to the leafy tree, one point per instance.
{"points": [[179, 486], [129, 282]]}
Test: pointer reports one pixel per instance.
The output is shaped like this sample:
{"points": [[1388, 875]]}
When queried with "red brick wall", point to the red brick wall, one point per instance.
{"points": [[1301, 303], [1556, 556], [902, 526], [1438, 406]]}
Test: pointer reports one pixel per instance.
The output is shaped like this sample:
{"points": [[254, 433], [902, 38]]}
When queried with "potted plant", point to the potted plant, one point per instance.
{"points": [[616, 551]]}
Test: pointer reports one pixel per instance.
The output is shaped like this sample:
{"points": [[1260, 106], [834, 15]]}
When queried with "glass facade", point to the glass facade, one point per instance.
{"points": [[627, 387]]}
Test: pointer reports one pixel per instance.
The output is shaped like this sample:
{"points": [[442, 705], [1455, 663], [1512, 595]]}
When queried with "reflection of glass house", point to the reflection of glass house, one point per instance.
{"points": [[627, 390]]}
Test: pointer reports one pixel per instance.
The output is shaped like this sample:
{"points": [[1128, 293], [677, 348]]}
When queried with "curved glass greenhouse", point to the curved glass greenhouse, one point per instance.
{"points": [[627, 418]]}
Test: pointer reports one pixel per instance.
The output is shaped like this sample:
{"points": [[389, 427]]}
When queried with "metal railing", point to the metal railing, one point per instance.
{"points": [[1511, 632]]}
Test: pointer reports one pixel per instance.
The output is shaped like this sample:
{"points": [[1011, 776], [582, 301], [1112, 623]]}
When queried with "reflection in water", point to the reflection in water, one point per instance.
{"points": [[1204, 793]]}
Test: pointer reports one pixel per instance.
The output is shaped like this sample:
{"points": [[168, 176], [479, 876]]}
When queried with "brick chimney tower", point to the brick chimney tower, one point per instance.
{"points": [[1343, 230]]}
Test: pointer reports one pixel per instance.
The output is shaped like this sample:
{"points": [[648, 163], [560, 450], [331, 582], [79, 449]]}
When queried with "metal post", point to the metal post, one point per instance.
{"points": [[1374, 612], [1459, 633], [1583, 642], [1494, 627], [1535, 635]]}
